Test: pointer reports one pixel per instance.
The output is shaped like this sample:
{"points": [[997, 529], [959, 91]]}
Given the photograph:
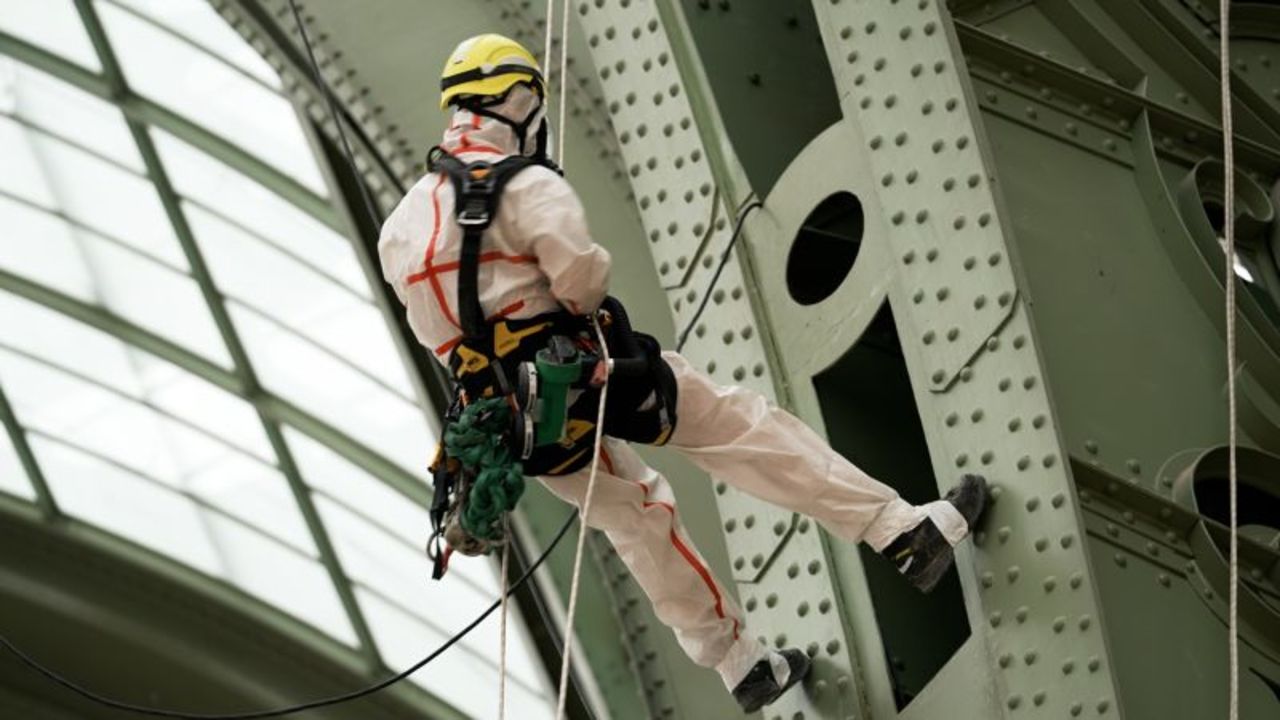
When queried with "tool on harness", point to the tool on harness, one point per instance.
{"points": [[526, 385]]}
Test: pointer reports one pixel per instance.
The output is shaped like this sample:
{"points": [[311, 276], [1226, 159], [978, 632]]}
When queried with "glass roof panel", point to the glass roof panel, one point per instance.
{"points": [[331, 390], [236, 197], [53, 25], [151, 515], [454, 676], [201, 25], [102, 358], [330, 474], [90, 190], [211, 93], [86, 266], [281, 577], [66, 111], [399, 572], [13, 478], [298, 296], [169, 449], [117, 500]]}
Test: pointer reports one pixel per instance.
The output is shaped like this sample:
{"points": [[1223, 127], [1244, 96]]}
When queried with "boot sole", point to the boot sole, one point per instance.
{"points": [[796, 677]]}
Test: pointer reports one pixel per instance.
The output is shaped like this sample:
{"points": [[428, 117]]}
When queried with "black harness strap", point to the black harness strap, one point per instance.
{"points": [[477, 189]]}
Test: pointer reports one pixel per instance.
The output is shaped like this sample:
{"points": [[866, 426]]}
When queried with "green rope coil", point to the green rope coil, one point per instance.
{"points": [[475, 439]]}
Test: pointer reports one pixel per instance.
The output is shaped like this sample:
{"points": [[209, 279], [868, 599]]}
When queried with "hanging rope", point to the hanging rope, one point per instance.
{"points": [[502, 625], [584, 513], [1228, 231]]}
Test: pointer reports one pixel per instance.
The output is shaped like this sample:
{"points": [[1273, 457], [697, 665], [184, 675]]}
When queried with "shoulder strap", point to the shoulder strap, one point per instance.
{"points": [[477, 188]]}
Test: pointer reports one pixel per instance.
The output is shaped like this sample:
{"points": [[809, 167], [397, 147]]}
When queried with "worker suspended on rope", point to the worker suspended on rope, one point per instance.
{"points": [[491, 255]]}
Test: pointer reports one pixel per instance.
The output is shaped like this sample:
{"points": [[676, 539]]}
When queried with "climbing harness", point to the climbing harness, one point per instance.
{"points": [[534, 382]]}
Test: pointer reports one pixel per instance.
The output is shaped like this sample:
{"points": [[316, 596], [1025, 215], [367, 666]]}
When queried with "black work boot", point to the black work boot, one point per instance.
{"points": [[760, 687], [922, 554]]}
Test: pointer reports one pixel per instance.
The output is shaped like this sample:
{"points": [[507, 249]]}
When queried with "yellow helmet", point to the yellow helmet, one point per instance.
{"points": [[487, 65]]}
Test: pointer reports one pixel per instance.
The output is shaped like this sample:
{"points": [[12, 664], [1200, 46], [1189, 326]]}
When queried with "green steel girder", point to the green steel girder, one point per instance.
{"points": [[159, 608], [139, 109], [44, 497]]}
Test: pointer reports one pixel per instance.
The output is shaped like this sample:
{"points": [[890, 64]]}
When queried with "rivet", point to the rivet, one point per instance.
{"points": [[1042, 544], [1103, 706], [1077, 579], [814, 567], [1021, 614], [1005, 660], [1085, 622], [1031, 657], [1039, 698], [1014, 701], [1067, 541], [824, 607], [1013, 573], [1076, 709], [751, 604], [922, 215], [995, 619], [793, 570], [833, 647], [987, 579], [1163, 579], [1050, 583], [802, 609], [771, 600], [1003, 534]]}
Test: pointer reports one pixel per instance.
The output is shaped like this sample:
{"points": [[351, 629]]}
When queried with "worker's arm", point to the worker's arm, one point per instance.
{"points": [[550, 219]]}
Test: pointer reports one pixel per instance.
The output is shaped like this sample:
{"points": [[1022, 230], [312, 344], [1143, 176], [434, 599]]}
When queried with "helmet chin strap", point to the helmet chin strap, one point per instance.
{"points": [[521, 128]]}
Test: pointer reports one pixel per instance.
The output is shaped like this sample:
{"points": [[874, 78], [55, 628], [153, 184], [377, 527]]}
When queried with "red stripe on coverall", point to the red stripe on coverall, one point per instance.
{"points": [[680, 547], [428, 273], [448, 347]]}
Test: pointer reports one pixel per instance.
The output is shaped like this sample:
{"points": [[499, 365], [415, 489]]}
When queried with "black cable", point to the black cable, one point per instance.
{"points": [[724, 260], [370, 206], [312, 705]]}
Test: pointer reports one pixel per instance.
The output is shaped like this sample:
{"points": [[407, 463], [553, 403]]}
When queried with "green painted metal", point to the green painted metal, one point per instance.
{"points": [[44, 497]]}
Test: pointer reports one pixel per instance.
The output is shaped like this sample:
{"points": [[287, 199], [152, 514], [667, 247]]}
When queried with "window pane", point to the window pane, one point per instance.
{"points": [[49, 335], [461, 679], [331, 474], [281, 577], [107, 496], [13, 478], [330, 390], [51, 24], [211, 93], [64, 110], [90, 190], [90, 268], [301, 298], [234, 195], [165, 448], [399, 572], [199, 23]]}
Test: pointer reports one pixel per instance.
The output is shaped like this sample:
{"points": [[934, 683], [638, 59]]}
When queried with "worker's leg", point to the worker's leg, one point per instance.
{"points": [[634, 506], [739, 437]]}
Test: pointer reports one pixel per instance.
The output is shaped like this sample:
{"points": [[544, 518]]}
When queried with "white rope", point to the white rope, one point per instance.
{"points": [[583, 514], [546, 49], [1228, 231], [502, 627], [564, 77]]}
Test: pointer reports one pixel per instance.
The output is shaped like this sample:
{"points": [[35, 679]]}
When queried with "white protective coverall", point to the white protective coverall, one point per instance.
{"points": [[538, 256]]}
